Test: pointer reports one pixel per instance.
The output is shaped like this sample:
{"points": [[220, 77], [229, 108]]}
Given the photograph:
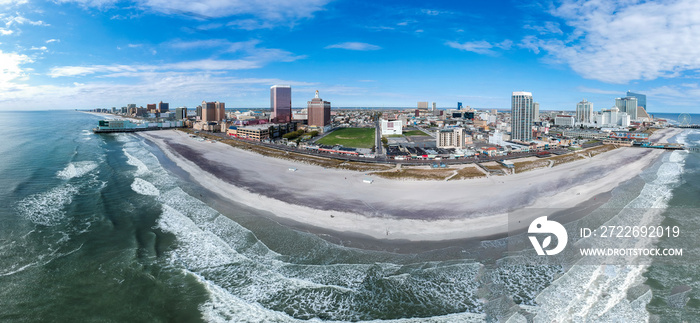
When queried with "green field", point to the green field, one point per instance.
{"points": [[414, 133], [350, 137]]}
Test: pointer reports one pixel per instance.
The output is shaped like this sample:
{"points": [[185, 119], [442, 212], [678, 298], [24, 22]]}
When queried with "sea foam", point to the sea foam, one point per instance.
{"points": [[76, 169], [141, 168], [144, 187], [47, 208], [600, 293]]}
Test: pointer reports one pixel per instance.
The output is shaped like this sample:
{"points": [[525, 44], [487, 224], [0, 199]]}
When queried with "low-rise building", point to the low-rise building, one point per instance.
{"points": [[564, 120], [586, 134], [391, 127], [262, 132]]}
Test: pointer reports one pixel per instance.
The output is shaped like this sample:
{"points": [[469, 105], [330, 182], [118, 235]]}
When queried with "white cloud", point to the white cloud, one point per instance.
{"points": [[12, 2], [481, 46], [135, 70], [42, 48], [549, 27], [53, 41], [11, 68], [250, 24], [268, 12], [621, 41], [178, 88], [134, 45], [249, 46], [354, 46]]}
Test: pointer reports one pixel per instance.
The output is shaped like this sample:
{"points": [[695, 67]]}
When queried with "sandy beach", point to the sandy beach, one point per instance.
{"points": [[338, 200]]}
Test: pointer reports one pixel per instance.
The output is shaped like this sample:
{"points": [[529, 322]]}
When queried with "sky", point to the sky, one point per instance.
{"points": [[79, 54]]}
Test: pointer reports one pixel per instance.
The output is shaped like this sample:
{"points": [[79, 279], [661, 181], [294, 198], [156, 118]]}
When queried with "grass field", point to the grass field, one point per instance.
{"points": [[350, 137], [414, 133]]}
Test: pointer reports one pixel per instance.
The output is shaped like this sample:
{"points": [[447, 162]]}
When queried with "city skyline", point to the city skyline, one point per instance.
{"points": [[89, 54]]}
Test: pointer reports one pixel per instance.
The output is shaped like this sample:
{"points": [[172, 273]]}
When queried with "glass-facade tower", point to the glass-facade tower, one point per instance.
{"points": [[521, 112]]}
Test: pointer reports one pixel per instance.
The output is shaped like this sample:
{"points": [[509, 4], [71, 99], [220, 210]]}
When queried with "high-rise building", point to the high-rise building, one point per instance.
{"points": [[459, 105], [208, 111], [181, 113], [220, 108], [319, 112], [627, 105], [151, 108], [163, 107], [641, 99], [423, 105], [198, 112], [521, 112], [535, 112], [584, 112], [434, 106], [281, 103]]}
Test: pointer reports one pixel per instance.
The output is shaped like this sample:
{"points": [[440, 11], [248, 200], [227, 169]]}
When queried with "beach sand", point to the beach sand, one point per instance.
{"points": [[338, 200]]}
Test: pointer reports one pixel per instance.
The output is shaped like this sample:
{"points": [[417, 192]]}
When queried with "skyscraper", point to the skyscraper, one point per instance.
{"points": [[208, 111], [319, 112], [535, 112], [521, 113], [281, 103], [628, 105], [220, 108], [641, 99], [584, 112], [163, 107], [459, 105], [434, 106], [181, 113], [423, 105]]}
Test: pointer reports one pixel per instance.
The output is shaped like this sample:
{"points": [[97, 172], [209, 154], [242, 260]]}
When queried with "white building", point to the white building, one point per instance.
{"points": [[611, 118], [564, 120], [521, 113], [499, 138], [584, 112], [391, 127], [535, 112], [451, 138]]}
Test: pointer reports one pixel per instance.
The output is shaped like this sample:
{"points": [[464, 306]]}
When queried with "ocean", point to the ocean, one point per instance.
{"points": [[106, 228]]}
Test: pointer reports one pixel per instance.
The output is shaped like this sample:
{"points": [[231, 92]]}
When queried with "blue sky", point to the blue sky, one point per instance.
{"points": [[103, 53]]}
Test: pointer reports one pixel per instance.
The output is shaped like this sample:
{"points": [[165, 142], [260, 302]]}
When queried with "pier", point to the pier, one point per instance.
{"points": [[660, 145]]}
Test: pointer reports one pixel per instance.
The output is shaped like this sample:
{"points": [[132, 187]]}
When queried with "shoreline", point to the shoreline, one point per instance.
{"points": [[332, 200]]}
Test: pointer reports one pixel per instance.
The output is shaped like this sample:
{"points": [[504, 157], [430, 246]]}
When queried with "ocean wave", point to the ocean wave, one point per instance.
{"points": [[76, 169], [601, 293], [144, 187], [141, 168], [209, 248], [47, 208]]}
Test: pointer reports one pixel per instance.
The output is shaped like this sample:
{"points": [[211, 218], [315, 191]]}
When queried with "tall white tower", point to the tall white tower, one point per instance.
{"points": [[521, 113], [584, 111]]}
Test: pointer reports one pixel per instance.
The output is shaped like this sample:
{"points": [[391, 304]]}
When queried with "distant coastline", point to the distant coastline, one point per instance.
{"points": [[337, 200]]}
